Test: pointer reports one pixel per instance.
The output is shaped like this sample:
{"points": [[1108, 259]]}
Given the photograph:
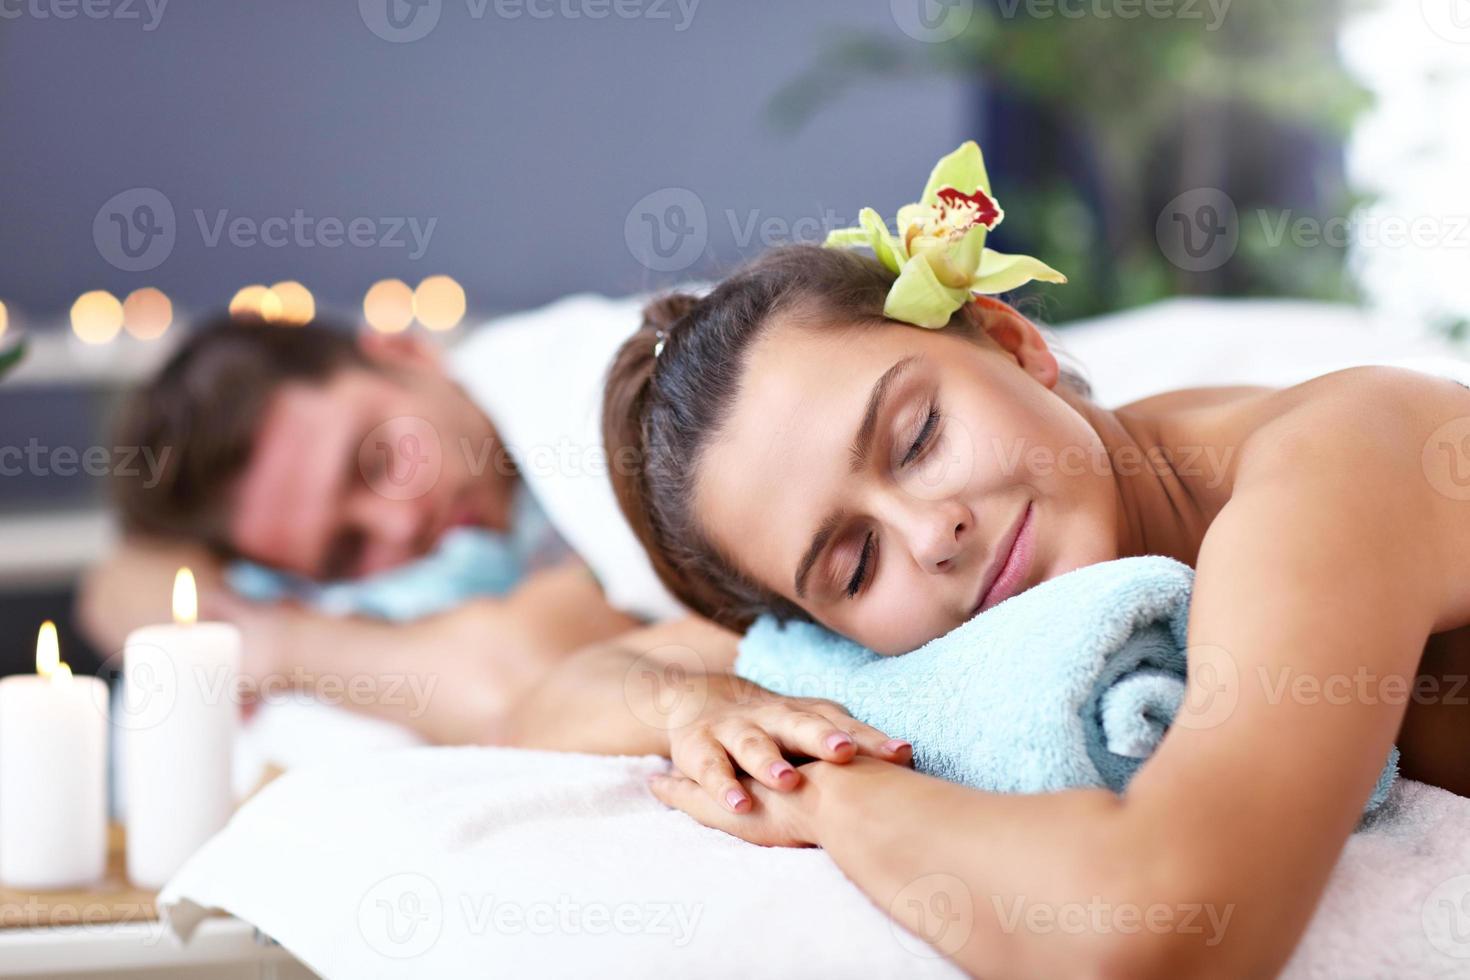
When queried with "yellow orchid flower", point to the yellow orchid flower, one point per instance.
{"points": [[939, 250]]}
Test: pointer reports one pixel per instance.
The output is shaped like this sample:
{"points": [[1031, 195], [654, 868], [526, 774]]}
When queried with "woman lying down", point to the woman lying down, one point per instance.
{"points": [[798, 429]]}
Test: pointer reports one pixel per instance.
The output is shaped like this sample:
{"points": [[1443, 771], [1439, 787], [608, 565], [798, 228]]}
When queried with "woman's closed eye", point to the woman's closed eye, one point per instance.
{"points": [[867, 559], [925, 436], [865, 563]]}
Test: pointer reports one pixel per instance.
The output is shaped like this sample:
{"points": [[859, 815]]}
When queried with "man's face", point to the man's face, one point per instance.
{"points": [[364, 471]]}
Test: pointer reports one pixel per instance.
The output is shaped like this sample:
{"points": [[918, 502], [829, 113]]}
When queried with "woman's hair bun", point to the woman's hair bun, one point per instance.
{"points": [[664, 312]]}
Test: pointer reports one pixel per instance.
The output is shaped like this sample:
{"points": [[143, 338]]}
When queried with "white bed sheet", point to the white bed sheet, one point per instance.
{"points": [[471, 863]]}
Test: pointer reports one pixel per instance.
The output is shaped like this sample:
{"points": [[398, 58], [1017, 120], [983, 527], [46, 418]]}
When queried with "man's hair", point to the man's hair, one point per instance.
{"points": [[200, 415]]}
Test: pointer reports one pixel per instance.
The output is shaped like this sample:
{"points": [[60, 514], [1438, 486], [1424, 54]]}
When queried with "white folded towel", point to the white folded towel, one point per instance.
{"points": [[451, 863]]}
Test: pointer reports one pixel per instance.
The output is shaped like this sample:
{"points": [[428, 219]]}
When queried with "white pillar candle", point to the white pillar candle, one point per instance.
{"points": [[180, 713], [53, 774]]}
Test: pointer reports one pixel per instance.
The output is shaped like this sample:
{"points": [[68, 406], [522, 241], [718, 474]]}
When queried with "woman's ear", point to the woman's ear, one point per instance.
{"points": [[1017, 336], [398, 350]]}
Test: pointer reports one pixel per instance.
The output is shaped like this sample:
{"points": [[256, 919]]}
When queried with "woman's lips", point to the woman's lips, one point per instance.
{"points": [[1018, 548]]}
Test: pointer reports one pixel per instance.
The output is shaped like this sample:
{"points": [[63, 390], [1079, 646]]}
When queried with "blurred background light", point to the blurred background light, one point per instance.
{"points": [[96, 317], [296, 302], [147, 313], [439, 303], [388, 306], [256, 300]]}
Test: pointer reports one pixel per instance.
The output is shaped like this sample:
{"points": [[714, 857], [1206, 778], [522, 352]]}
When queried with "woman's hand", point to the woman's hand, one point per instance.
{"points": [[746, 726], [777, 819]]}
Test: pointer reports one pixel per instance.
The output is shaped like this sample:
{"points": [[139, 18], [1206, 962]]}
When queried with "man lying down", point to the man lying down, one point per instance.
{"points": [[350, 503], [355, 512]]}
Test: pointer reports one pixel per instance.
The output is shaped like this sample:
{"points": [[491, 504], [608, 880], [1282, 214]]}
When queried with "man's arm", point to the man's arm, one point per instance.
{"points": [[446, 676], [134, 587]]}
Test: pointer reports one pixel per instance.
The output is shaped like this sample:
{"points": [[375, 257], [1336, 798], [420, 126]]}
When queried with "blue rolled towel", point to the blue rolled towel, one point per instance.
{"points": [[1072, 683], [467, 562]]}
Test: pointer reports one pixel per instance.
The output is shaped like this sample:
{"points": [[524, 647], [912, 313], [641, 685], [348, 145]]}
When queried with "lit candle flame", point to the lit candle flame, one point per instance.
{"points": [[186, 597], [48, 654]]}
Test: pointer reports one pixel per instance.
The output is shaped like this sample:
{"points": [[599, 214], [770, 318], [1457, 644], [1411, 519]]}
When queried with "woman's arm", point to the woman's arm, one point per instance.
{"points": [[623, 696], [1328, 564], [667, 690]]}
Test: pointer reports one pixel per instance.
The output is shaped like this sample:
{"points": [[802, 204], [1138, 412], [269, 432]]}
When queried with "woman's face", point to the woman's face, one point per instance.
{"points": [[894, 481]]}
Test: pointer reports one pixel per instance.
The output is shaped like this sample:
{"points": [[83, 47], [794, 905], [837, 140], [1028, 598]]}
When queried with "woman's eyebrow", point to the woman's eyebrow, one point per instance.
{"points": [[814, 551], [862, 444]]}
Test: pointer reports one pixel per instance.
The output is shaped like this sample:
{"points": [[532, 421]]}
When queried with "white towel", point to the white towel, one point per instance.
{"points": [[497, 862]]}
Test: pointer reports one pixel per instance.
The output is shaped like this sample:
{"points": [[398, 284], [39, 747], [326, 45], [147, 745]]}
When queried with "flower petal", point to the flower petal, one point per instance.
{"points": [[872, 233], [886, 248], [918, 297], [1001, 273], [964, 170], [847, 238], [968, 255]]}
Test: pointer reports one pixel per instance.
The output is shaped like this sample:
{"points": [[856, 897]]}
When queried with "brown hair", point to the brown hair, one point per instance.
{"points": [[660, 410], [200, 415]]}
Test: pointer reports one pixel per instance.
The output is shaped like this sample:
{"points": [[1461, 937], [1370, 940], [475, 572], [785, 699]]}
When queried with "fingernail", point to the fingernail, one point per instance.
{"points": [[733, 799], [895, 745], [781, 768], [837, 740]]}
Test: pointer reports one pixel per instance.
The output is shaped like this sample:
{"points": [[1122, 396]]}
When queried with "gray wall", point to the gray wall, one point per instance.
{"points": [[528, 141]]}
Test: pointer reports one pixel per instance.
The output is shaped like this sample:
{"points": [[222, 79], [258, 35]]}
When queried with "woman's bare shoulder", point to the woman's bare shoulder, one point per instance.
{"points": [[1356, 410], [1347, 405]]}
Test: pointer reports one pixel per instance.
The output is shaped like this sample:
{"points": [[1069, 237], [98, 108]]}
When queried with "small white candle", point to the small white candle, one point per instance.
{"points": [[180, 713], [53, 774]]}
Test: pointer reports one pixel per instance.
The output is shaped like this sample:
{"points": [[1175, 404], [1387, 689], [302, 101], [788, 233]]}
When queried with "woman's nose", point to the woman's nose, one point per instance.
{"points": [[936, 531]]}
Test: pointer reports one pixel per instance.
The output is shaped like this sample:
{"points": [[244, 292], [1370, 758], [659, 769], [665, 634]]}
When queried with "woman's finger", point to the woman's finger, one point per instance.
{"points": [[699, 756], [803, 732], [870, 741], [761, 827], [759, 755]]}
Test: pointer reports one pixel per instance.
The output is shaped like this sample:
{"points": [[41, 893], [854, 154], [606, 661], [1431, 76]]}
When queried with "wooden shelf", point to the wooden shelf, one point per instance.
{"points": [[111, 900]]}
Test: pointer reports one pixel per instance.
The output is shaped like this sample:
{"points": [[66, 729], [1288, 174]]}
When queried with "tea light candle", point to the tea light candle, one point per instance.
{"points": [[179, 717], [53, 774]]}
